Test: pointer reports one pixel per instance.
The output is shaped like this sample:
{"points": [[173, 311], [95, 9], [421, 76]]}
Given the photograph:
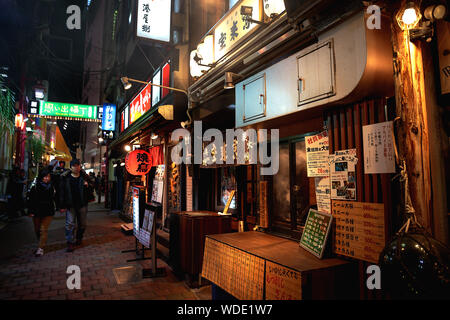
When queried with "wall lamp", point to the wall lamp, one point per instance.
{"points": [[247, 13], [126, 82], [229, 79], [409, 16]]}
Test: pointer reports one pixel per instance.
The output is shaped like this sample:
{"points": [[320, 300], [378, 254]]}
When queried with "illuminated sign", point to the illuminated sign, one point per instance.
{"points": [[156, 91], [140, 104], [109, 117], [135, 211], [153, 19], [165, 79], [126, 114], [57, 109], [233, 27]]}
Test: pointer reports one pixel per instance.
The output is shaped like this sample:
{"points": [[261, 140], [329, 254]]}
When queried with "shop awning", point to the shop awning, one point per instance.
{"points": [[61, 152]]}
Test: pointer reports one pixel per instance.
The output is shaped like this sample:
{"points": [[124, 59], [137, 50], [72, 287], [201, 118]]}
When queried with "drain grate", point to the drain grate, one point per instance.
{"points": [[129, 274]]}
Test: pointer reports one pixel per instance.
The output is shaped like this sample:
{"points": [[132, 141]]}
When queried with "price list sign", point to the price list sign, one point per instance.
{"points": [[316, 231], [359, 229]]}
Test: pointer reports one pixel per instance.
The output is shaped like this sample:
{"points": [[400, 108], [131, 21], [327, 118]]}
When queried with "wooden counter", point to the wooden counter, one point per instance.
{"points": [[187, 237], [255, 265]]}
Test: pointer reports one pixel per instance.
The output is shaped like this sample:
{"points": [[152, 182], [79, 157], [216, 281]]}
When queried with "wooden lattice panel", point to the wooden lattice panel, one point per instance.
{"points": [[237, 272]]}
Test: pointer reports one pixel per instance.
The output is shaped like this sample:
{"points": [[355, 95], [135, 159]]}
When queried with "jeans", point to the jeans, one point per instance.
{"points": [[78, 216], [41, 229]]}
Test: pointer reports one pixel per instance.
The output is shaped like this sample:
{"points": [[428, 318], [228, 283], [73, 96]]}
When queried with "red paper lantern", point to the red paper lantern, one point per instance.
{"points": [[19, 120], [138, 162]]}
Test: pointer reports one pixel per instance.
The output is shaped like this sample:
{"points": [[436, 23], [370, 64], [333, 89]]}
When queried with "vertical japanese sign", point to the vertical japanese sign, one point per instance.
{"points": [[343, 174], [317, 152], [156, 91], [315, 233], [140, 104], [135, 205], [379, 148], [153, 19], [234, 27], [109, 117], [126, 117], [359, 229], [165, 79]]}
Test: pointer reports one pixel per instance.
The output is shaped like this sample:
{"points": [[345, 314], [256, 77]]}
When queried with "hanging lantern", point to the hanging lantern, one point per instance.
{"points": [[138, 162], [273, 7], [19, 121]]}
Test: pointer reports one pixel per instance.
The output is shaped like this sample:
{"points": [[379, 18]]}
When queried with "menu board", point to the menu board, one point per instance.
{"points": [[315, 233], [235, 271], [359, 229], [317, 152], [145, 231], [282, 283]]}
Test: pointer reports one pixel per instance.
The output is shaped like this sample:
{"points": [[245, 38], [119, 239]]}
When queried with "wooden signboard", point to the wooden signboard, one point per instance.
{"points": [[359, 230], [237, 272], [282, 283], [315, 233], [127, 209], [263, 208]]}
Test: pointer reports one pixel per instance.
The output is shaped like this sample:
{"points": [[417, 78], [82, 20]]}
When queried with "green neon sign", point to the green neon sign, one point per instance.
{"points": [[58, 109]]}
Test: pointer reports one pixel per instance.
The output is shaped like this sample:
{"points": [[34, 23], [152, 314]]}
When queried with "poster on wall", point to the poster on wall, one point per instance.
{"points": [[379, 148], [323, 194], [343, 174], [157, 191], [317, 152]]}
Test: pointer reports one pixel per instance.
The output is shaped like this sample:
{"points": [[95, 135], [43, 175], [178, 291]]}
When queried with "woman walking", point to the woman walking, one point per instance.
{"points": [[42, 207]]}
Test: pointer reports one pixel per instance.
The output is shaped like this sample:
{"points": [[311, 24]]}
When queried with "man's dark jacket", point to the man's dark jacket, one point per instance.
{"points": [[65, 194]]}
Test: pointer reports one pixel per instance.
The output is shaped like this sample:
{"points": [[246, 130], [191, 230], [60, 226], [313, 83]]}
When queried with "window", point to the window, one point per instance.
{"points": [[291, 189]]}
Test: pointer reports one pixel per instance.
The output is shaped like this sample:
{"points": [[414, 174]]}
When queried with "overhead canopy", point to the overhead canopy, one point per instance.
{"points": [[62, 152]]}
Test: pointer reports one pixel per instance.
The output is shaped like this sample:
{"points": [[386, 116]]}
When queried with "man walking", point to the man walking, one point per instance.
{"points": [[74, 201]]}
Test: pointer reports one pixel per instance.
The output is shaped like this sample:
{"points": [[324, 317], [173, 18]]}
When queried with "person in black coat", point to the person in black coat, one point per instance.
{"points": [[76, 191], [41, 207]]}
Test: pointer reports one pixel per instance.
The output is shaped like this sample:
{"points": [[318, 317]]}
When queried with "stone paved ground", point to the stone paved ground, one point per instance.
{"points": [[24, 276]]}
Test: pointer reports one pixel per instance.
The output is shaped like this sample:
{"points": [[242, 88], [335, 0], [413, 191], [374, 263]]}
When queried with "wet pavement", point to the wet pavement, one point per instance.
{"points": [[24, 276]]}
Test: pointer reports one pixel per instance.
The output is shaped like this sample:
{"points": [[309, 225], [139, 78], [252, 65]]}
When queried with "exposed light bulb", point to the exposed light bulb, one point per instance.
{"points": [[409, 16]]}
